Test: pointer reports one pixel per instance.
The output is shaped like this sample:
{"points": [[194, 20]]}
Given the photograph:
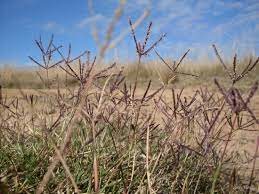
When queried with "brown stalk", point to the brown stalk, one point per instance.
{"points": [[1, 95], [56, 160], [140, 49], [117, 14], [175, 66], [222, 62], [65, 167], [234, 77], [253, 166], [125, 32]]}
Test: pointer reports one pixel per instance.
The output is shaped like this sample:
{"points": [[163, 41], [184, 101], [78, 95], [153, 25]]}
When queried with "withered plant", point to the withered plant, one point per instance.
{"points": [[233, 95], [173, 69], [141, 47], [102, 136]]}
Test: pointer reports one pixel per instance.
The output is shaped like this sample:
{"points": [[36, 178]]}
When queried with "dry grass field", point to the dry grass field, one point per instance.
{"points": [[76, 126]]}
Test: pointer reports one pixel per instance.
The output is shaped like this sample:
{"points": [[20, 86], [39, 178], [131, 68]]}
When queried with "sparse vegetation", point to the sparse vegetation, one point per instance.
{"points": [[110, 132], [13, 77]]}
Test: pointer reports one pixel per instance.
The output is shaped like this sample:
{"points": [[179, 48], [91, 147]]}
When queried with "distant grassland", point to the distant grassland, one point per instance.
{"points": [[31, 78]]}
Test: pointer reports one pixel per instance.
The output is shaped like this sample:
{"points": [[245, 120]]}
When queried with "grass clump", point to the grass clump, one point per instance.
{"points": [[107, 135]]}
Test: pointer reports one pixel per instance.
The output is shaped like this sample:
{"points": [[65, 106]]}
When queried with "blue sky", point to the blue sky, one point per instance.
{"points": [[195, 24]]}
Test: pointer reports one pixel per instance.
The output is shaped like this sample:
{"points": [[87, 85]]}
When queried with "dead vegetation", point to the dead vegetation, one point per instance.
{"points": [[106, 135]]}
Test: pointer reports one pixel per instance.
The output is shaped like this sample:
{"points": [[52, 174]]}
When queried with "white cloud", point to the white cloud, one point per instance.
{"points": [[142, 3], [238, 21], [227, 23], [90, 20], [133, 7], [54, 27], [183, 15], [252, 7], [223, 22], [165, 4]]}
